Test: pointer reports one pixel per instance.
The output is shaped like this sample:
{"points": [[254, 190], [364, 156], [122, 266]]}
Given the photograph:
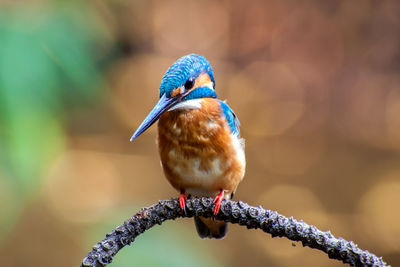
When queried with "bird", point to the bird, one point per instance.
{"points": [[199, 142]]}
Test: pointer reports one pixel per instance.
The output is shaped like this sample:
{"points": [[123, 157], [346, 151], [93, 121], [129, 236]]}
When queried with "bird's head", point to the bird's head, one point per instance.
{"points": [[190, 77]]}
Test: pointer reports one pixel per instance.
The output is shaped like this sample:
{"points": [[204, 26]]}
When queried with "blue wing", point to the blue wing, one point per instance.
{"points": [[230, 116]]}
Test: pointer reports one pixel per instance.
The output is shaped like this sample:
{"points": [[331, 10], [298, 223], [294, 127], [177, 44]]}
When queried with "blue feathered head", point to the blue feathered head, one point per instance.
{"points": [[185, 71], [190, 77]]}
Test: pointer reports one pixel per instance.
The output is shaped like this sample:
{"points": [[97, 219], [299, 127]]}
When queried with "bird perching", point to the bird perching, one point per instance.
{"points": [[199, 141]]}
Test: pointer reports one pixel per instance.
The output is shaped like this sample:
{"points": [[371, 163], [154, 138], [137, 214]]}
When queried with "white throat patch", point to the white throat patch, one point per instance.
{"points": [[188, 104]]}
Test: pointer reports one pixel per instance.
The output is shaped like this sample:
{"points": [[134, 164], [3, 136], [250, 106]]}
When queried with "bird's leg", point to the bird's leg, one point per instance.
{"points": [[182, 200], [217, 200]]}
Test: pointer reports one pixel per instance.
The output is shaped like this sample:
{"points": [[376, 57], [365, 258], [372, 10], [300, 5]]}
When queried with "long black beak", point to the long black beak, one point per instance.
{"points": [[162, 105]]}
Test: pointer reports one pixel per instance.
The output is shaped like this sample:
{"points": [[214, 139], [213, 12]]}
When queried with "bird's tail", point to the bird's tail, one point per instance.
{"points": [[209, 227]]}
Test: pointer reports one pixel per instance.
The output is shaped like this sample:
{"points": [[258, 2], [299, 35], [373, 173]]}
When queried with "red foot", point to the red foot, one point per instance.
{"points": [[217, 200], [182, 201]]}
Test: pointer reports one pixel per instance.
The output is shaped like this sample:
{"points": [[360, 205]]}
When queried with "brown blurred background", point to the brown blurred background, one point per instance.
{"points": [[315, 85]]}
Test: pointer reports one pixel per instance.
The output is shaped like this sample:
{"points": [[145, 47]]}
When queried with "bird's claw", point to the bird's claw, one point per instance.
{"points": [[182, 201], [217, 200]]}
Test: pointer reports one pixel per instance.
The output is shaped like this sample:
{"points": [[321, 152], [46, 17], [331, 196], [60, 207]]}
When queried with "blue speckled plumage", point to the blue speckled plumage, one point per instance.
{"points": [[184, 68], [200, 92], [230, 116]]}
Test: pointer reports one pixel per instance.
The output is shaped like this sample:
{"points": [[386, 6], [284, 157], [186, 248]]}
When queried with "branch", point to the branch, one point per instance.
{"points": [[234, 212]]}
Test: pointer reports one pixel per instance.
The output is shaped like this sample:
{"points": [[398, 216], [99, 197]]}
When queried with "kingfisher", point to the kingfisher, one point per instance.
{"points": [[201, 151]]}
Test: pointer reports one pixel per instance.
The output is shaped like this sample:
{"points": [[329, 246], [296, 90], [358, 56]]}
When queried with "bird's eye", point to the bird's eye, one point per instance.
{"points": [[189, 84]]}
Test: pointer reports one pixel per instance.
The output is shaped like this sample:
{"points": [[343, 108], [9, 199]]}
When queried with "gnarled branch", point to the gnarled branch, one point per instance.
{"points": [[234, 212]]}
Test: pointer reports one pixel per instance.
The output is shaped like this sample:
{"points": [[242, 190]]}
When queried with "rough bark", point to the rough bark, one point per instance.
{"points": [[234, 212]]}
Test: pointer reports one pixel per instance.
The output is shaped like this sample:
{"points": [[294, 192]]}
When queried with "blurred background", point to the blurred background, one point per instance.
{"points": [[315, 85]]}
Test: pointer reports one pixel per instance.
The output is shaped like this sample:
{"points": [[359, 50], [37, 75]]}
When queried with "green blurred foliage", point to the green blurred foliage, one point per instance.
{"points": [[47, 62]]}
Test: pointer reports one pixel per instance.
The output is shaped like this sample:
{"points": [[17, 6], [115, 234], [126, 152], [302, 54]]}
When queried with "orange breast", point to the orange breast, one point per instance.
{"points": [[198, 151]]}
